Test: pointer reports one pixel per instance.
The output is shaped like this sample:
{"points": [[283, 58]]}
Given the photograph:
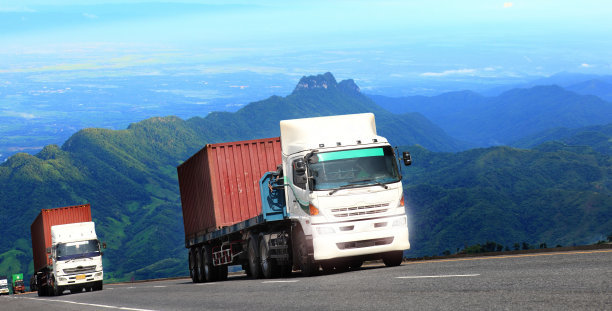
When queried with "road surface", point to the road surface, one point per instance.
{"points": [[579, 280]]}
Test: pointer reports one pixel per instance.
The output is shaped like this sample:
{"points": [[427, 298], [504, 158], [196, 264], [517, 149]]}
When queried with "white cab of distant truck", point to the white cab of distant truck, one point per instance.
{"points": [[4, 290], [76, 257], [346, 190]]}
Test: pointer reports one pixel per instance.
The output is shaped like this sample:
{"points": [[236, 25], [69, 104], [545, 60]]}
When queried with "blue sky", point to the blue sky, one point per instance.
{"points": [[392, 39]]}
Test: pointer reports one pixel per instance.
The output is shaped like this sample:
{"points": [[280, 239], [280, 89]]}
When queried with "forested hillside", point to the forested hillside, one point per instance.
{"points": [[554, 193]]}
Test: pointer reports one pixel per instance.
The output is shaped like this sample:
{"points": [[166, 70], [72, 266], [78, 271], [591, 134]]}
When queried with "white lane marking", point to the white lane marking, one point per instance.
{"points": [[264, 282], [160, 286], [91, 304], [436, 276]]}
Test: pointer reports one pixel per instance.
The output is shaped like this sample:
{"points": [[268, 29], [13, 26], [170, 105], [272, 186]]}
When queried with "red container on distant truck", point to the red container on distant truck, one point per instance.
{"points": [[41, 229], [220, 183]]}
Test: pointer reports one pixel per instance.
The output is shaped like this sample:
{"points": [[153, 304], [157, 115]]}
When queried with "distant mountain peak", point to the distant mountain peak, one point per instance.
{"points": [[326, 81], [348, 86]]}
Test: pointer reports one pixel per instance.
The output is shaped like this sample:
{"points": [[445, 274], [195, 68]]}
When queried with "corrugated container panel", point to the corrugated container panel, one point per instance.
{"points": [[41, 228], [219, 184]]}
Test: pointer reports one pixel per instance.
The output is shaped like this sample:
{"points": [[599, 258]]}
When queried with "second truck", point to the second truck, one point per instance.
{"points": [[327, 193], [67, 253]]}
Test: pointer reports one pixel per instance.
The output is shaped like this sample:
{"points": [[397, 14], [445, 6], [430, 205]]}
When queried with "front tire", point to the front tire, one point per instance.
{"points": [[304, 261], [393, 259]]}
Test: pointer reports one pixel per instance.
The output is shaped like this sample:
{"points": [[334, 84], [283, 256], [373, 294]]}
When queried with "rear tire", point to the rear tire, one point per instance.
{"points": [[199, 265], [393, 259], [269, 268], [253, 253], [210, 272], [192, 266], [222, 273]]}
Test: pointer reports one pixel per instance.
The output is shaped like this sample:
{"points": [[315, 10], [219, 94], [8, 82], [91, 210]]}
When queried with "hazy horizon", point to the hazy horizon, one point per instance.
{"points": [[368, 40]]}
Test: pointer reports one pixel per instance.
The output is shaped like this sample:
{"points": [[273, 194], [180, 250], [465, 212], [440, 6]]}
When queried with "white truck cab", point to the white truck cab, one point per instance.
{"points": [[76, 256], [345, 187], [4, 290]]}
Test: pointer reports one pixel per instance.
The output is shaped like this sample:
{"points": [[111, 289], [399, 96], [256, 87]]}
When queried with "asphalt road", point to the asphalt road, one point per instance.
{"points": [[579, 280]]}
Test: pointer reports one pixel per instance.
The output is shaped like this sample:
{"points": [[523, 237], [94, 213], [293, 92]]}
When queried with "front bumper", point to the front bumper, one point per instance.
{"points": [[359, 238], [80, 278]]}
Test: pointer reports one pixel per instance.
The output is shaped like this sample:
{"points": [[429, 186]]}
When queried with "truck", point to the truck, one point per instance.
{"points": [[66, 250], [4, 290], [325, 195], [17, 283]]}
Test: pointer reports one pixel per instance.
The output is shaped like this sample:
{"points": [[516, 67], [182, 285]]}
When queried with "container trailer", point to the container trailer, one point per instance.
{"points": [[325, 194]]}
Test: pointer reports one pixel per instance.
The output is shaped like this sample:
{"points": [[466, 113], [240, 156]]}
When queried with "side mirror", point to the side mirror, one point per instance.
{"points": [[104, 245], [299, 173], [407, 158]]}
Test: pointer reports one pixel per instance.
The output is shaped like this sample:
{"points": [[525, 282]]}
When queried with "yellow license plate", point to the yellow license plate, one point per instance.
{"points": [[80, 277]]}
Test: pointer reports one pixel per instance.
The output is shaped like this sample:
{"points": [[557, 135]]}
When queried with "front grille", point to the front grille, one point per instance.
{"points": [[365, 243], [80, 269], [360, 210]]}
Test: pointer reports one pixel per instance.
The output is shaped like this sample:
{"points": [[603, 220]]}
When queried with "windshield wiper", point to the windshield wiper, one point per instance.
{"points": [[377, 183]]}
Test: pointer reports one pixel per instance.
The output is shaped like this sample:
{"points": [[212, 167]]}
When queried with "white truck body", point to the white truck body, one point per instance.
{"points": [[76, 255], [4, 290], [355, 216]]}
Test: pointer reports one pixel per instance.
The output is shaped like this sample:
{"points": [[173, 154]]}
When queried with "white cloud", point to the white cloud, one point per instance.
{"points": [[90, 16], [585, 65], [449, 73], [508, 5], [17, 114], [16, 9]]}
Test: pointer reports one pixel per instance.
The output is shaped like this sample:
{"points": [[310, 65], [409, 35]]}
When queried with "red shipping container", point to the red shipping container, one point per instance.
{"points": [[219, 184], [41, 229]]}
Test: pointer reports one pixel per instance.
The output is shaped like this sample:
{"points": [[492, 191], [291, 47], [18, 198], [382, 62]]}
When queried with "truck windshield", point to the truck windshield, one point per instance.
{"points": [[358, 167], [81, 249]]}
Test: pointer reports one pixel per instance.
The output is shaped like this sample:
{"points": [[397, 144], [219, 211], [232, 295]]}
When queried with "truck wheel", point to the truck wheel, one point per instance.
{"points": [[210, 272], [199, 265], [193, 266], [222, 273], [355, 264], [393, 259], [269, 268], [98, 286], [253, 254], [305, 262]]}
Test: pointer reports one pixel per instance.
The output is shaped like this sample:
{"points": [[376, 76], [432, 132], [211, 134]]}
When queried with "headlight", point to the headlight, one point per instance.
{"points": [[63, 279], [325, 230], [400, 222]]}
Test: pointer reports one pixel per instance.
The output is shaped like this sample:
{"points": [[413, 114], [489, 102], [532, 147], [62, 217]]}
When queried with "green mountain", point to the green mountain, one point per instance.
{"points": [[508, 117], [599, 137], [556, 194]]}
